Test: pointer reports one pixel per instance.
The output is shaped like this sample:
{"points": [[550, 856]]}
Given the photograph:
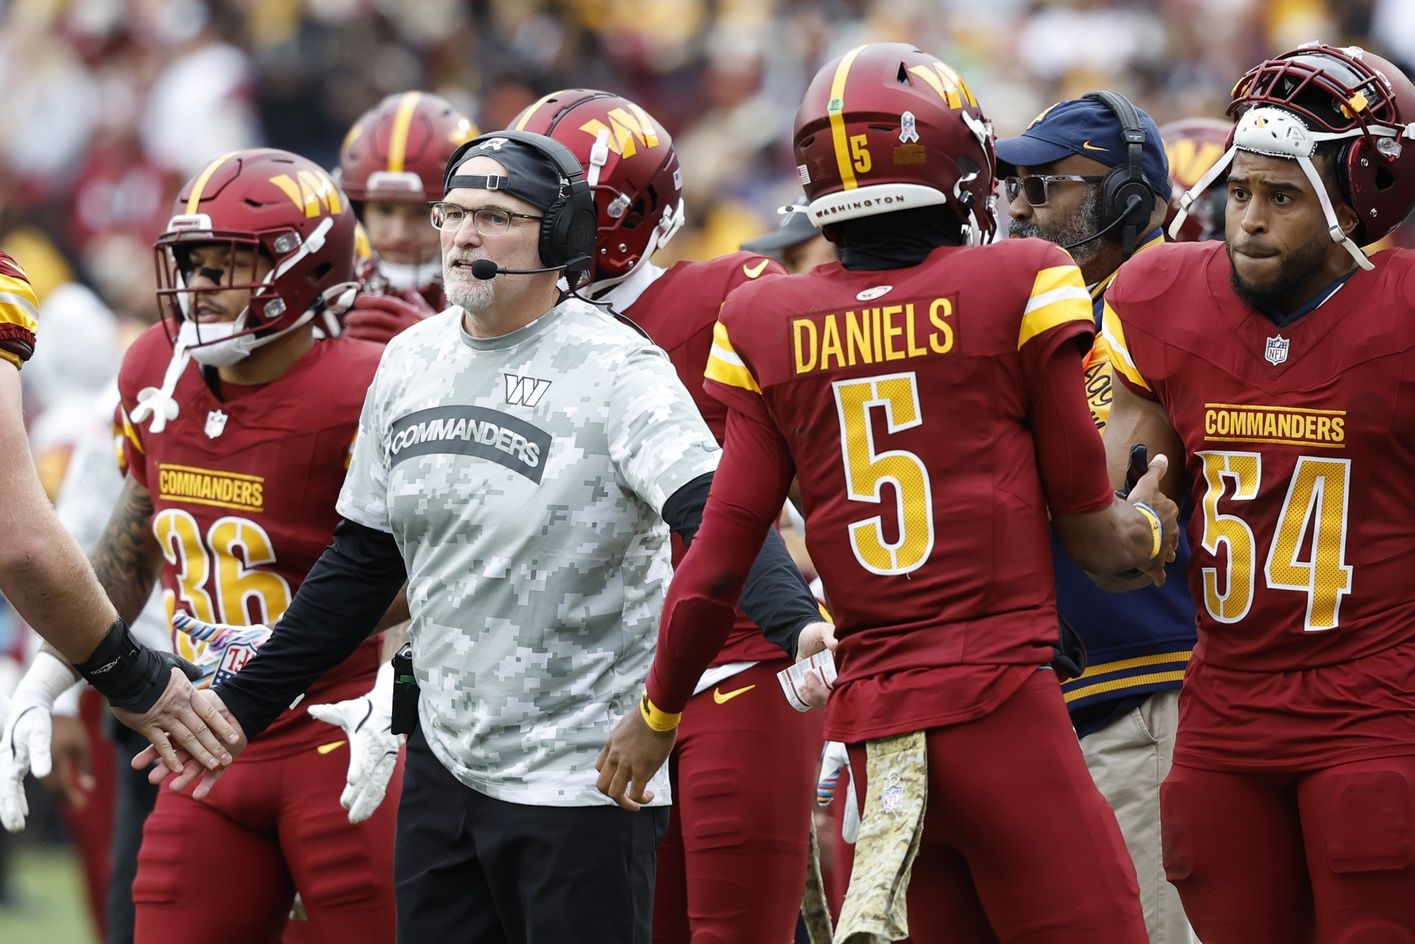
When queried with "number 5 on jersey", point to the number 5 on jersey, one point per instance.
{"points": [[867, 471]]}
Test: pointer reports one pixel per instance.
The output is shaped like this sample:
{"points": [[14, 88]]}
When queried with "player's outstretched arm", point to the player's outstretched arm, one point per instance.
{"points": [[43, 572], [340, 602]]}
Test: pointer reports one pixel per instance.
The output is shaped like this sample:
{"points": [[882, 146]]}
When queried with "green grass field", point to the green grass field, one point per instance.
{"points": [[50, 907]]}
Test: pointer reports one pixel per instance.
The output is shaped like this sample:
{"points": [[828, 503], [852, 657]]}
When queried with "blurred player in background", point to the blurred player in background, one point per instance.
{"points": [[390, 167], [1192, 146]]}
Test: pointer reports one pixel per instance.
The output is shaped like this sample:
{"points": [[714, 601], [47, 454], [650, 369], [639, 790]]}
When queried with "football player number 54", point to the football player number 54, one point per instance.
{"points": [[867, 471], [1308, 551]]}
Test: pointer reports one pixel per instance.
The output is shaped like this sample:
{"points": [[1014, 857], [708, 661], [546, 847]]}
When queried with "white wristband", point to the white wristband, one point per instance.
{"points": [[47, 678]]}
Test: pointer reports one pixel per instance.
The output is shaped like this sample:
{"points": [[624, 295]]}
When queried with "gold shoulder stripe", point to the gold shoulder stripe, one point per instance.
{"points": [[18, 303], [1113, 333], [1058, 296], [836, 109], [725, 367]]}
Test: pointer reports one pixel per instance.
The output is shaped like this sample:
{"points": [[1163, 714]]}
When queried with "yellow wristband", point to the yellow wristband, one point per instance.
{"points": [[656, 719], [1156, 529]]}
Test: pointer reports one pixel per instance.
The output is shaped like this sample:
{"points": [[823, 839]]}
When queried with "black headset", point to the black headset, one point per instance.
{"points": [[1127, 200], [568, 225]]}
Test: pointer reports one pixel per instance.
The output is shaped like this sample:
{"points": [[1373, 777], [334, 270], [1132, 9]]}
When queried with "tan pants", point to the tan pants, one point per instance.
{"points": [[1129, 759]]}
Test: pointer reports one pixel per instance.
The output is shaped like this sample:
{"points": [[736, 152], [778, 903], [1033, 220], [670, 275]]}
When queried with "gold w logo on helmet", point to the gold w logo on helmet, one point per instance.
{"points": [[628, 128], [312, 192], [946, 81]]}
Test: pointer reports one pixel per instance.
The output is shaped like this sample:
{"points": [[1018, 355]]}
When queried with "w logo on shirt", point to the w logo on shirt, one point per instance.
{"points": [[524, 391]]}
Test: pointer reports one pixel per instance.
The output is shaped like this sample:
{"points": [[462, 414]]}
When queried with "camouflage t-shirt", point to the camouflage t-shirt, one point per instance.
{"points": [[522, 478]]}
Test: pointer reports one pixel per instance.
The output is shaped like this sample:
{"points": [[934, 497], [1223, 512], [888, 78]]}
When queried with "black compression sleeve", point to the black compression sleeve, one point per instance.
{"points": [[338, 605], [775, 596]]}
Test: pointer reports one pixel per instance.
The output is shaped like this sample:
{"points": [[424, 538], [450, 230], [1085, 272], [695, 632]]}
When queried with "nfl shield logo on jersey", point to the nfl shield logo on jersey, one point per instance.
{"points": [[215, 424], [1276, 351], [232, 661]]}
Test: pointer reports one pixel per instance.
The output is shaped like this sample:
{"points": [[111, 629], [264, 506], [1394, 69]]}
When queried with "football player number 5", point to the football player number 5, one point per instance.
{"points": [[1308, 550], [867, 471]]}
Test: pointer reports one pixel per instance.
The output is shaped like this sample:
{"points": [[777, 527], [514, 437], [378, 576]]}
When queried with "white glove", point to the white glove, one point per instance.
{"points": [[227, 647], [373, 748], [24, 743], [834, 768]]}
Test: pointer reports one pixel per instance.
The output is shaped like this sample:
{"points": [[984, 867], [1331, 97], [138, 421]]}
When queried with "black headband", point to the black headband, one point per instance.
{"points": [[530, 174]]}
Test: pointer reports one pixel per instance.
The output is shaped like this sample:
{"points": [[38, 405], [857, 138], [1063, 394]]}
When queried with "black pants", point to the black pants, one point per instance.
{"points": [[473, 870], [134, 800]]}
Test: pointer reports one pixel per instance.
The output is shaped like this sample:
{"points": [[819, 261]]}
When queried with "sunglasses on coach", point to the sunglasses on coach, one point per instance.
{"points": [[1036, 187]]}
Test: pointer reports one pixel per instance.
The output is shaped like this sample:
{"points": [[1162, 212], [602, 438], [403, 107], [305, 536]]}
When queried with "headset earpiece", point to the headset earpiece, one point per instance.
{"points": [[567, 227], [1126, 199]]}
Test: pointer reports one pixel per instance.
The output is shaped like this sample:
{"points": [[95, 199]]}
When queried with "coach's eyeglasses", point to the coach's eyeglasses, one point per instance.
{"points": [[1036, 186], [489, 221]]}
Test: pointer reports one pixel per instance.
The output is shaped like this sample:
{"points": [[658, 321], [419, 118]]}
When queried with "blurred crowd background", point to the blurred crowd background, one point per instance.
{"points": [[109, 105]]}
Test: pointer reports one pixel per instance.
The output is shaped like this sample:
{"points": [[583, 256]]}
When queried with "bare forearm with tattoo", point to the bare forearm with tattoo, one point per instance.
{"points": [[127, 558]]}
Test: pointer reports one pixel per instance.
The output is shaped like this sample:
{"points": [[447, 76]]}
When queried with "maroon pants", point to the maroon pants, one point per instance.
{"points": [[1325, 855], [224, 871], [1018, 844], [732, 867]]}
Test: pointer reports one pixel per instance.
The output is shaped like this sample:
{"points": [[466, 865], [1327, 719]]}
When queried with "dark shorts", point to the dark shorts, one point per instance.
{"points": [[470, 869]]}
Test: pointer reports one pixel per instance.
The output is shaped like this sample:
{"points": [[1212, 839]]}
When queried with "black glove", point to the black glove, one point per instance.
{"points": [[129, 674], [1069, 660]]}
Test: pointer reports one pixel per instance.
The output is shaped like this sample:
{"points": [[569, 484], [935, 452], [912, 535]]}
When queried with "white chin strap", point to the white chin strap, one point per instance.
{"points": [[410, 278], [1274, 132]]}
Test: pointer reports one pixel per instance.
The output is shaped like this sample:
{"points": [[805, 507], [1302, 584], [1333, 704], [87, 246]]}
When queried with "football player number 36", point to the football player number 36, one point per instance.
{"points": [[217, 579], [867, 471], [1308, 551]]}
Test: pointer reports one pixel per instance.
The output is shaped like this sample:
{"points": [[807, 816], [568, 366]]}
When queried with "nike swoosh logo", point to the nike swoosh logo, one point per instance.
{"points": [[722, 698], [1088, 146], [752, 271], [331, 746]]}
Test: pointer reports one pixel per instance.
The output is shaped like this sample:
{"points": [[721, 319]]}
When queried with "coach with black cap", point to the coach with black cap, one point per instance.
{"points": [[1090, 175], [521, 458]]}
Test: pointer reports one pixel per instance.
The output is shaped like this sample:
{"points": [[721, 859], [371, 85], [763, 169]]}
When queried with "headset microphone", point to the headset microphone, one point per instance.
{"points": [[1131, 202], [488, 269]]}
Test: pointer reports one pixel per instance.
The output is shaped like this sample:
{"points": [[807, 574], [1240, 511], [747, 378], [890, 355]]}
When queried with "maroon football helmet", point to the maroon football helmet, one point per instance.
{"points": [[276, 205], [1193, 145], [398, 150], [1349, 93], [631, 167], [887, 127]]}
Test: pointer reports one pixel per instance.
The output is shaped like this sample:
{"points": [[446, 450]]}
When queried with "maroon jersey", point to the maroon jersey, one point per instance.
{"points": [[909, 402], [1298, 444], [19, 312], [678, 310], [243, 491]]}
